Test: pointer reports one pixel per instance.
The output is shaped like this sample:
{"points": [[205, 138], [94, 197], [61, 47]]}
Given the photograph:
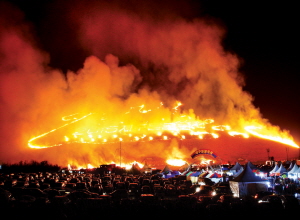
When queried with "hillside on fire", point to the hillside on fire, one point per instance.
{"points": [[102, 82]]}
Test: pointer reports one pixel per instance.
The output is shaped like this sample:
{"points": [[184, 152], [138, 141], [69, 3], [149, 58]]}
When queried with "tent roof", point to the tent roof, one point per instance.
{"points": [[252, 166], [146, 166], [291, 166], [281, 169], [276, 167], [238, 172], [215, 175], [187, 173], [166, 169], [294, 169], [196, 173], [237, 166], [247, 175], [175, 172]]}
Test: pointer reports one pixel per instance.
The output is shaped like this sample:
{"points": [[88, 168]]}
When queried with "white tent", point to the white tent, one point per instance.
{"points": [[298, 172], [247, 183], [293, 172], [281, 170], [274, 169], [293, 169]]}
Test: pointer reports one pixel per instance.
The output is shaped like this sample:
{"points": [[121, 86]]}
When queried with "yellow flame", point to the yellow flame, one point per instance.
{"points": [[277, 137], [32, 145], [180, 123], [176, 162], [234, 133]]}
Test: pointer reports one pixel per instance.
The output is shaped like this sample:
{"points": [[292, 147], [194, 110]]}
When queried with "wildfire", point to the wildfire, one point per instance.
{"points": [[181, 126], [273, 136], [30, 142]]}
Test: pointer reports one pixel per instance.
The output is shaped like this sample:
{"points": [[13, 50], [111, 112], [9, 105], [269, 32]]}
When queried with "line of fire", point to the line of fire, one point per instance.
{"points": [[138, 136]]}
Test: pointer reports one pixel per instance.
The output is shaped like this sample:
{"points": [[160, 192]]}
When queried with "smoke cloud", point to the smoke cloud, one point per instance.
{"points": [[134, 55]]}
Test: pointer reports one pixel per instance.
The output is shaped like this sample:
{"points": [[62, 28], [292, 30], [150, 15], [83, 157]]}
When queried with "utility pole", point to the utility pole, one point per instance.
{"points": [[268, 151], [120, 153]]}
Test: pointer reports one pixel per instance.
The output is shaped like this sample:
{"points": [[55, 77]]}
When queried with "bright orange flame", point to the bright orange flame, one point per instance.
{"points": [[234, 133], [274, 136], [163, 128], [30, 142], [176, 162]]}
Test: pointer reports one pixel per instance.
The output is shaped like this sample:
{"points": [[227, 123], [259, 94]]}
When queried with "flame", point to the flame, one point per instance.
{"points": [[181, 123], [271, 134], [176, 162], [234, 133], [30, 142], [187, 64]]}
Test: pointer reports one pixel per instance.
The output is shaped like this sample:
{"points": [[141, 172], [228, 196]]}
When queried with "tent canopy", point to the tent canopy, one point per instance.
{"points": [[276, 167], [281, 169], [293, 169], [236, 167], [247, 175]]}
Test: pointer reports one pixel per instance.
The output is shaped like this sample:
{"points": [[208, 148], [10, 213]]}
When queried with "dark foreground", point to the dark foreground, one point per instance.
{"points": [[90, 196]]}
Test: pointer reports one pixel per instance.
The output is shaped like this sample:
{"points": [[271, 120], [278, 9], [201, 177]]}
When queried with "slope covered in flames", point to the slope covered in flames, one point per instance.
{"points": [[141, 135], [142, 73]]}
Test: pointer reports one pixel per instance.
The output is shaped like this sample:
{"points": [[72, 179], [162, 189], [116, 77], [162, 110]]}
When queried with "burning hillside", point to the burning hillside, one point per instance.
{"points": [[150, 87], [94, 140]]}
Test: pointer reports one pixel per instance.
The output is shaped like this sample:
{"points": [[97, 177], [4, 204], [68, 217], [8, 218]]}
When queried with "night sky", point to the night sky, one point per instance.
{"points": [[263, 35]]}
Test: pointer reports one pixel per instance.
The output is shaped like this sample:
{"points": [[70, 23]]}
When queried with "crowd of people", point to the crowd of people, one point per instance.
{"points": [[80, 195]]}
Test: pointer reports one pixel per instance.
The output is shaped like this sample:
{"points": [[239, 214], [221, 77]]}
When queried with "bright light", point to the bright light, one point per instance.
{"points": [[283, 138], [215, 135], [176, 162]]}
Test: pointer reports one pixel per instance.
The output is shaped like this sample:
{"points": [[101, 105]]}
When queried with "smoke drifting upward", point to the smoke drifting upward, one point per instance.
{"points": [[179, 59], [135, 56]]}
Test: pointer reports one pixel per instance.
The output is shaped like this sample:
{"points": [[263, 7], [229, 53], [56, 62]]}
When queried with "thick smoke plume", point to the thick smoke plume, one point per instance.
{"points": [[135, 56]]}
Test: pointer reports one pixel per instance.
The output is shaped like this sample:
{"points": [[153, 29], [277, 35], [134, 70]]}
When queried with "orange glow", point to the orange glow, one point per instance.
{"points": [[30, 142], [179, 124], [173, 89], [271, 134], [234, 133], [176, 162]]}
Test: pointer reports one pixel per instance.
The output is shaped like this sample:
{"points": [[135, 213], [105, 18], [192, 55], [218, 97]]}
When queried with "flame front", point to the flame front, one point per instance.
{"points": [[180, 125], [177, 124]]}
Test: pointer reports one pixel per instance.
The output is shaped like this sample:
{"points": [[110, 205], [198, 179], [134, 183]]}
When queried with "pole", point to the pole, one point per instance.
{"points": [[120, 153]]}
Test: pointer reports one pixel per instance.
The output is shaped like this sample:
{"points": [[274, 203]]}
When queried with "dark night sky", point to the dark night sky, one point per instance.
{"points": [[264, 35]]}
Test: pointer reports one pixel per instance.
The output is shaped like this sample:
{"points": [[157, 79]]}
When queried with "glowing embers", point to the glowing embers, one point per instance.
{"points": [[205, 135], [112, 138]]}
